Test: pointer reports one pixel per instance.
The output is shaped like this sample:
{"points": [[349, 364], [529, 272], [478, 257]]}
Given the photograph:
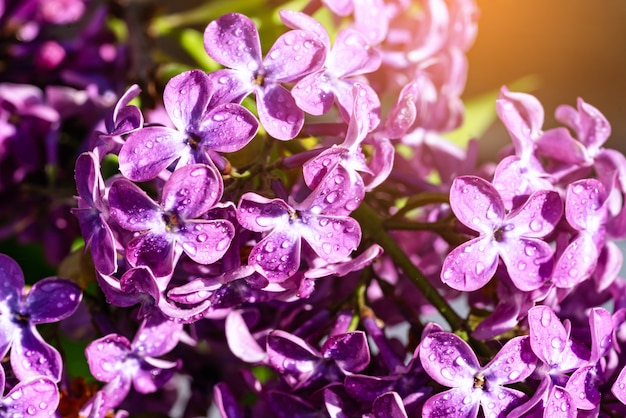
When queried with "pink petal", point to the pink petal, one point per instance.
{"points": [[476, 203], [471, 265]]}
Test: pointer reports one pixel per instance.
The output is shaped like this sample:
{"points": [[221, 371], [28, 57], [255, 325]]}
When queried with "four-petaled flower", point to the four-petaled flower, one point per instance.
{"points": [[515, 236]]}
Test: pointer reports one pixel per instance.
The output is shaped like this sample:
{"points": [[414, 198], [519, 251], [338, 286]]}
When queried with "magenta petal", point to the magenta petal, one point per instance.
{"points": [[292, 357], [560, 403], [227, 128], [313, 95], [350, 351], [514, 362], [105, 354], [133, 209], [528, 262], [558, 144], [11, 280], [157, 336], [186, 97], [583, 207], [156, 251], [538, 216], [154, 373], [299, 20], [619, 387], [576, 263], [293, 55], [52, 299], [471, 265], [352, 55], [240, 341], [548, 336], [151, 150], [260, 214], [38, 396], [448, 359], [32, 356], [99, 238], [88, 180], [277, 256], [499, 401], [191, 191], [523, 115], [389, 405], [583, 386], [225, 402], [476, 203], [278, 112], [601, 325], [233, 41], [456, 403], [205, 242], [333, 238]]}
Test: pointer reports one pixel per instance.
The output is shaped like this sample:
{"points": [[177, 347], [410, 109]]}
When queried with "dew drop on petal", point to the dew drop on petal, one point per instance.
{"points": [[521, 265], [546, 318], [270, 247], [222, 244], [480, 268], [514, 375], [43, 405], [446, 373], [201, 237], [31, 410], [327, 248]]}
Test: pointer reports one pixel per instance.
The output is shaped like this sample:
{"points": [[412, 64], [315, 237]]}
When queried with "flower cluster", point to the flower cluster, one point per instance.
{"points": [[270, 234]]}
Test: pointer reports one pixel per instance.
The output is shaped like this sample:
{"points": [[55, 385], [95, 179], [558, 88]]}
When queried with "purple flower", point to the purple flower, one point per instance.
{"points": [[168, 229], [233, 41], [201, 129], [451, 362], [120, 363], [49, 300], [514, 237], [277, 255]]}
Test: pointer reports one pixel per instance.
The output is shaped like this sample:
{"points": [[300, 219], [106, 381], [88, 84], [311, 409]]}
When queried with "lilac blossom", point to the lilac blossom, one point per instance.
{"points": [[201, 129], [173, 226], [233, 41], [120, 363], [49, 300], [451, 362], [515, 237], [277, 256]]}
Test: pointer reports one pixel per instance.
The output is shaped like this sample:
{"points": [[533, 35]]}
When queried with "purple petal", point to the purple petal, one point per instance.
{"points": [[156, 336], [52, 299], [106, 355], [186, 97], [448, 359], [619, 387], [350, 351], [230, 86], [294, 55], [227, 128], [339, 193], [11, 280], [458, 403], [233, 41], [38, 396], [352, 55], [370, 19], [476, 203], [583, 387], [133, 209], [584, 208], [498, 401], [528, 262], [471, 265], [601, 326], [333, 238], [156, 251], [240, 341], [153, 373], [99, 237], [139, 282], [548, 336], [191, 191], [523, 115], [298, 20], [226, 402], [514, 362], [260, 214], [313, 94], [538, 216], [285, 405], [292, 356], [205, 242], [277, 256], [389, 405], [278, 112], [32, 356], [558, 144], [88, 180], [576, 263], [151, 150], [560, 404], [365, 388]]}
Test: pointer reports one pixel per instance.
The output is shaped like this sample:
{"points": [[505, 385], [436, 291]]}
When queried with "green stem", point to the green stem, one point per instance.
{"points": [[372, 225], [419, 200], [417, 226]]}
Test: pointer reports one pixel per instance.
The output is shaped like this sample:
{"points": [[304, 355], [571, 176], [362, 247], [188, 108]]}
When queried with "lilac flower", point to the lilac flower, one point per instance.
{"points": [[451, 362], [49, 300], [277, 255], [233, 41], [514, 237], [92, 213], [120, 363], [201, 129], [351, 55], [37, 396], [174, 226], [369, 16]]}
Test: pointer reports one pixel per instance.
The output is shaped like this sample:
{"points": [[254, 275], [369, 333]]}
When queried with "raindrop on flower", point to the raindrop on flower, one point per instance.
{"points": [[446, 373]]}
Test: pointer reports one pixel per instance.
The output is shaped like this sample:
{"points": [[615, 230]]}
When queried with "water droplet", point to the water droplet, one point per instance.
{"points": [[270, 247], [43, 405], [432, 357], [480, 268], [332, 197], [323, 222], [578, 188], [222, 244], [149, 144], [546, 318], [536, 225], [521, 265], [17, 394], [31, 410], [201, 237], [529, 250], [556, 343], [446, 373], [514, 375], [327, 248]]}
